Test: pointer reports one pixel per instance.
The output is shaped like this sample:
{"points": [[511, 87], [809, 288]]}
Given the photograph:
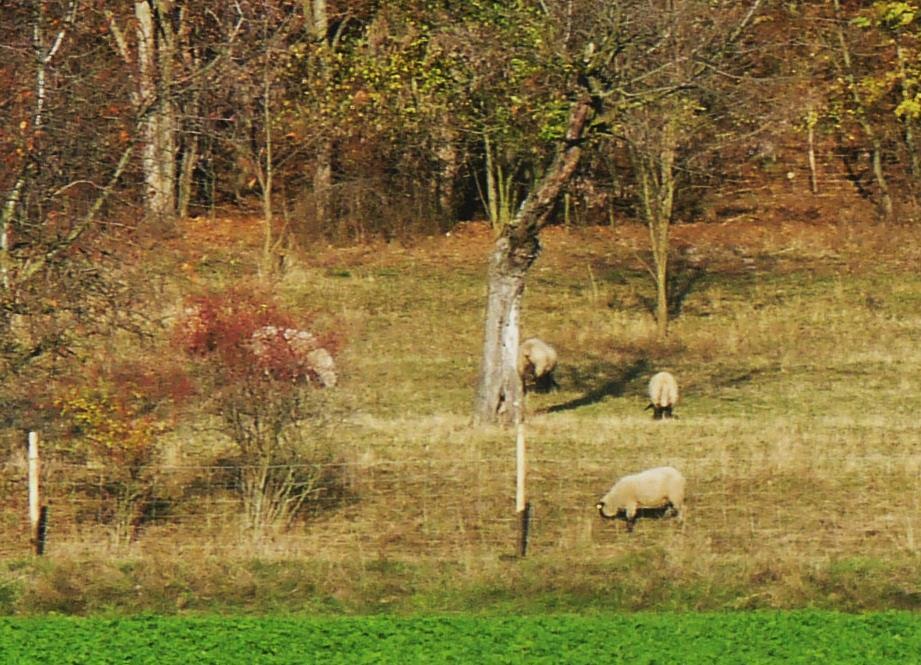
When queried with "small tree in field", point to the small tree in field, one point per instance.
{"points": [[116, 416], [260, 368]]}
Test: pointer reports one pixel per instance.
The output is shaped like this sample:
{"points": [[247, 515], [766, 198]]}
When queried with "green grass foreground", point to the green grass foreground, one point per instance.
{"points": [[753, 637]]}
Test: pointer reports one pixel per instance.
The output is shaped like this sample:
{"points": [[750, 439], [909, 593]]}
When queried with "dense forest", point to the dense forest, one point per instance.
{"points": [[350, 121]]}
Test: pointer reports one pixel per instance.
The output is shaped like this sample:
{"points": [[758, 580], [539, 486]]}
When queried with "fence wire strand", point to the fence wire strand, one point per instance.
{"points": [[446, 508]]}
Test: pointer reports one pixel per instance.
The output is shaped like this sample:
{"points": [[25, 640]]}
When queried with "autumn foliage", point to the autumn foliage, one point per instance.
{"points": [[258, 365], [244, 336], [115, 417]]}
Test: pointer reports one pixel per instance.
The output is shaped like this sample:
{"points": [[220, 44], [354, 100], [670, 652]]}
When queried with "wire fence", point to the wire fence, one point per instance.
{"points": [[455, 508]]}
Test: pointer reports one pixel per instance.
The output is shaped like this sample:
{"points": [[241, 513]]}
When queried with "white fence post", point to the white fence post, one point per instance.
{"points": [[522, 507], [37, 512]]}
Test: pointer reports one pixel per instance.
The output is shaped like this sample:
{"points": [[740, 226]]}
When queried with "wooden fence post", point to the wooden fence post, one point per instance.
{"points": [[522, 507], [38, 514]]}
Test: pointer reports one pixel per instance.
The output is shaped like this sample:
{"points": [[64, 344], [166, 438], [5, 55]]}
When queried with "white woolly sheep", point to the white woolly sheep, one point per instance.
{"points": [[536, 362], [304, 349], [659, 490], [663, 395]]}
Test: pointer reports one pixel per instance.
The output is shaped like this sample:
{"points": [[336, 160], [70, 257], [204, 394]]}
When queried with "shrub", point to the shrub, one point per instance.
{"points": [[262, 390], [116, 431]]}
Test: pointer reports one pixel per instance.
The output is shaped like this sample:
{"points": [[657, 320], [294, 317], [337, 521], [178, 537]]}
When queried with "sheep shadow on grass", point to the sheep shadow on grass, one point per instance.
{"points": [[660, 513], [642, 513], [621, 377]]}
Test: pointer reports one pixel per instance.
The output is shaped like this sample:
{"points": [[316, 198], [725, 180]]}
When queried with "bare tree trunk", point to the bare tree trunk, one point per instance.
{"points": [[662, 292], [323, 183], [654, 167], [811, 119], [186, 174], [188, 144], [449, 166], [860, 111], [499, 388], [908, 135], [155, 53], [316, 14], [267, 173], [492, 195]]}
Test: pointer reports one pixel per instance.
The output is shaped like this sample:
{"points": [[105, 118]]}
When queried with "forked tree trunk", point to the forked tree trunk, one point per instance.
{"points": [[499, 389], [654, 168], [653, 156]]}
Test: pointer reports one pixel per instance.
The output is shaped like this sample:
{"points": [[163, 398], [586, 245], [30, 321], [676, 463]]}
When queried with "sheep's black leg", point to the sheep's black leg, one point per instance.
{"points": [[631, 521]]}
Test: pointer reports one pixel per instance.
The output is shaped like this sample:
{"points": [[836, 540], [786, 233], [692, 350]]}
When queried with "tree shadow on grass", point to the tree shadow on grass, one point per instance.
{"points": [[621, 377], [683, 276]]}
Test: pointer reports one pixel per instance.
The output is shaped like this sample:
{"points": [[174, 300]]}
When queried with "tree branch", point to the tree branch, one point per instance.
{"points": [[34, 266]]}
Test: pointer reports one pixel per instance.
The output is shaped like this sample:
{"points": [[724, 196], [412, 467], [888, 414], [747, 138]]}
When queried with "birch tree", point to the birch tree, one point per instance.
{"points": [[315, 11], [153, 63]]}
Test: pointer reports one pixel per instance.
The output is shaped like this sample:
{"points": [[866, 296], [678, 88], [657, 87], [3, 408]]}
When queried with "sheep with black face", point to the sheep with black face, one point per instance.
{"points": [[654, 490], [536, 362]]}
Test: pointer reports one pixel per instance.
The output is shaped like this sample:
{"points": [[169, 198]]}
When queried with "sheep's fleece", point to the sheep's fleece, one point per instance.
{"points": [[536, 362], [660, 487], [663, 394]]}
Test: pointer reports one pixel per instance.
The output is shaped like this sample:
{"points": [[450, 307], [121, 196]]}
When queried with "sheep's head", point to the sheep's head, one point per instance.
{"points": [[660, 412], [601, 505]]}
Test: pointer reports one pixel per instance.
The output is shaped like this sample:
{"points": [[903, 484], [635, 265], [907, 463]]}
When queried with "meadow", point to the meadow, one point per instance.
{"points": [[796, 347]]}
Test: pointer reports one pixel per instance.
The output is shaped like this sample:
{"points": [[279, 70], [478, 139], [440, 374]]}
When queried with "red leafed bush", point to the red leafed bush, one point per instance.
{"points": [[251, 337], [256, 362], [222, 323]]}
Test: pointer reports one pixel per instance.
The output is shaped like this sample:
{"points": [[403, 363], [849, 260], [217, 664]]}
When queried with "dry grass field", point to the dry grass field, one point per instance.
{"points": [[796, 345]]}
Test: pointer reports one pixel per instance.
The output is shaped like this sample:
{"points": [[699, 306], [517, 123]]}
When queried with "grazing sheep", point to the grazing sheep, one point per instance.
{"points": [[663, 395], [321, 362], [655, 490], [302, 347], [536, 362]]}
